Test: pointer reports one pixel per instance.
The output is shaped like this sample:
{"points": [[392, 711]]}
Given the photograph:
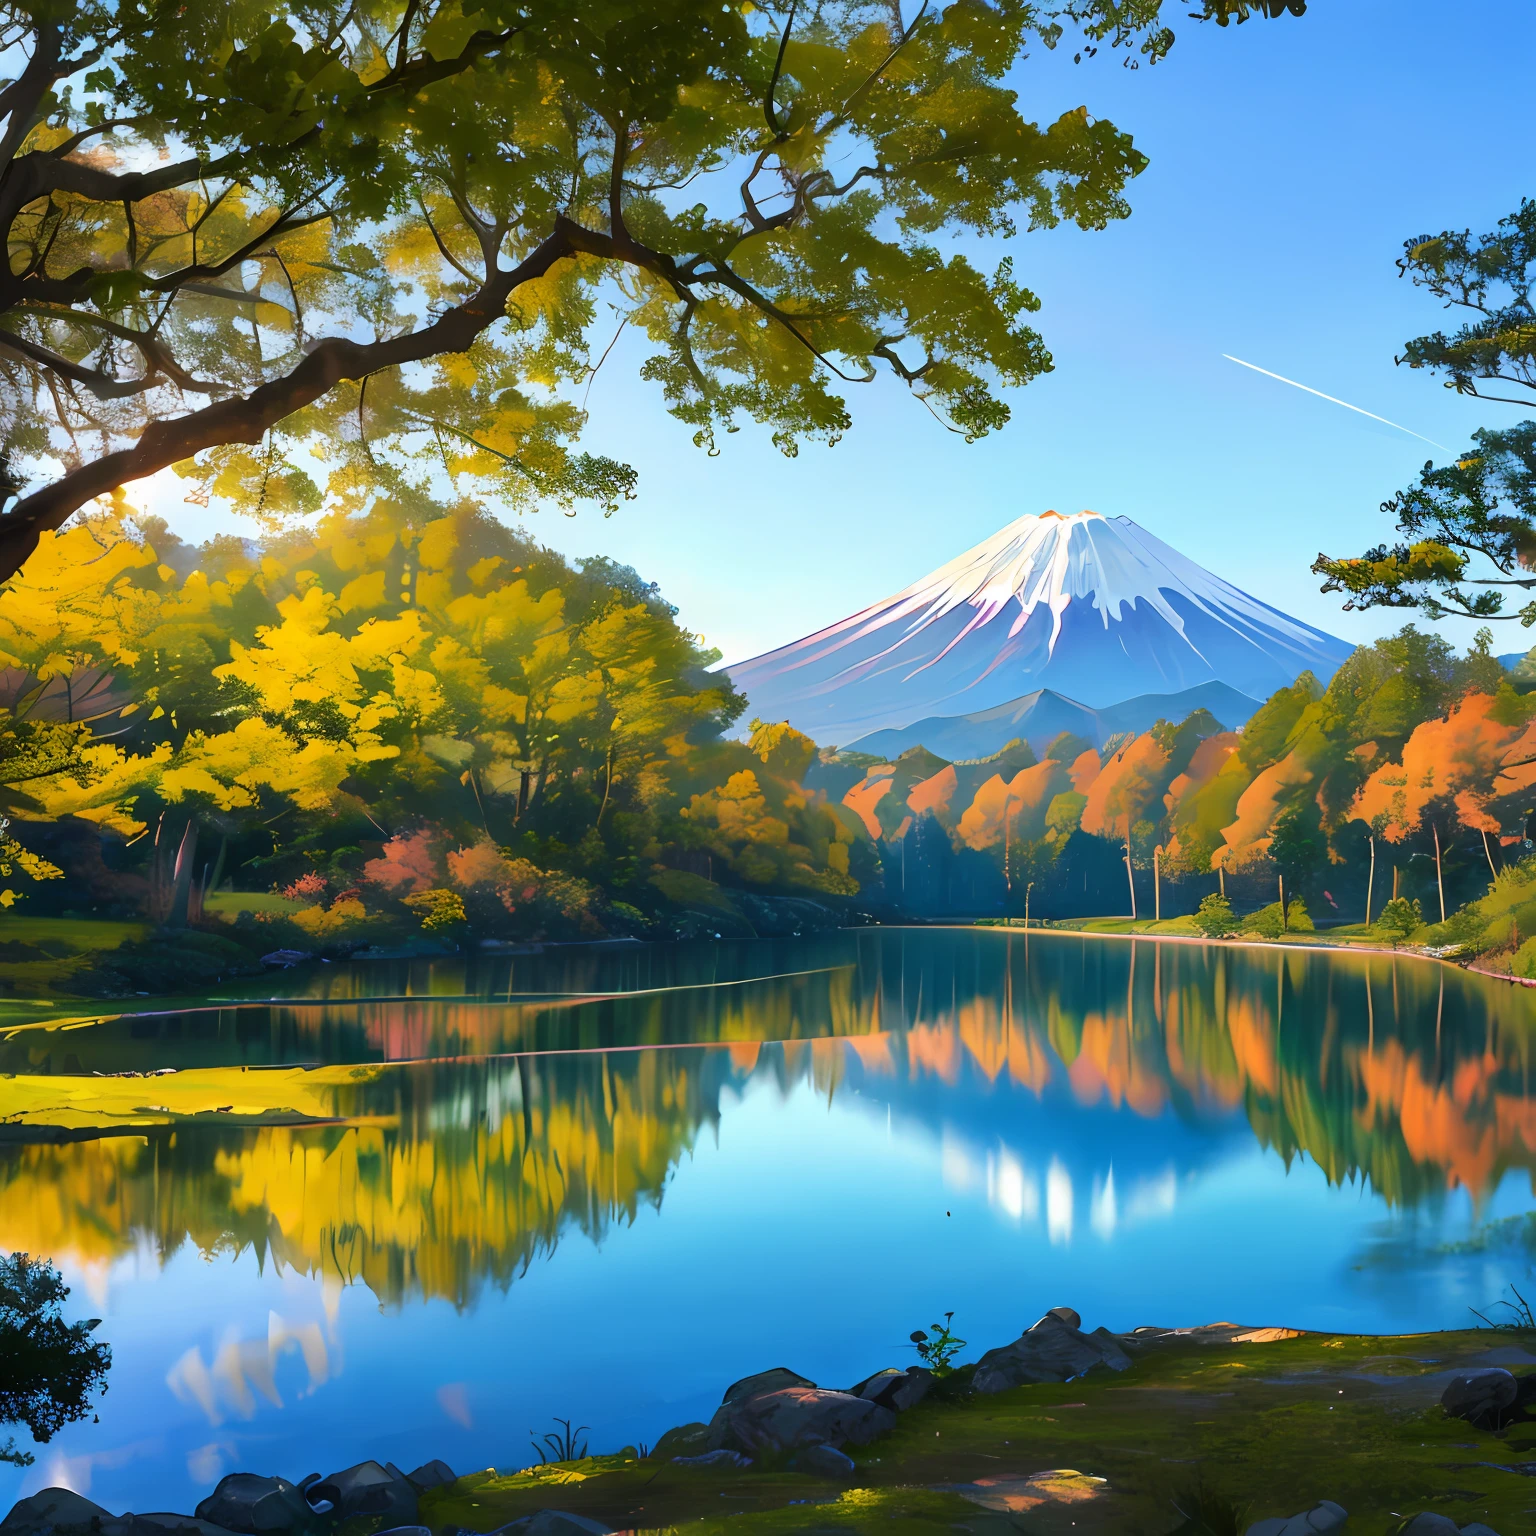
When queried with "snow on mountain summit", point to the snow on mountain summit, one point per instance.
{"points": [[1095, 608]]}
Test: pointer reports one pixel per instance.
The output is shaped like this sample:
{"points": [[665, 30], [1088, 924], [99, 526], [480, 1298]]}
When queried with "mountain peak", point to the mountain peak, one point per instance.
{"points": [[1094, 607]]}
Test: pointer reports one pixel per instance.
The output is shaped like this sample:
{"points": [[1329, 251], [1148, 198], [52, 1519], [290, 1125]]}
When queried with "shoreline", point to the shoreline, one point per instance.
{"points": [[1313, 945], [937, 1450]]}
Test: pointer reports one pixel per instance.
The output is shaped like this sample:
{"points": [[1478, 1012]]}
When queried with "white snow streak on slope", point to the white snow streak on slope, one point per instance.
{"points": [[1049, 560]]}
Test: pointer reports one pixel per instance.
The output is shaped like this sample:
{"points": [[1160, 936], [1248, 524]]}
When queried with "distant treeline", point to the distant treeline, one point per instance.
{"points": [[1410, 774]]}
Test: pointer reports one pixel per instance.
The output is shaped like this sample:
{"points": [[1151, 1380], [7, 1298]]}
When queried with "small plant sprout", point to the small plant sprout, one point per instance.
{"points": [[560, 1444], [1520, 1318], [937, 1346]]}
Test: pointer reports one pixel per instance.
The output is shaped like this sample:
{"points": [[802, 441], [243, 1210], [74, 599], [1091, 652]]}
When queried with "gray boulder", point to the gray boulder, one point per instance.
{"points": [[1326, 1516], [764, 1381], [713, 1459], [431, 1474], [59, 1510], [554, 1522], [894, 1389], [367, 1489], [825, 1461], [1484, 1398], [254, 1505], [683, 1440], [767, 1423], [52, 1507], [1052, 1350], [162, 1524]]}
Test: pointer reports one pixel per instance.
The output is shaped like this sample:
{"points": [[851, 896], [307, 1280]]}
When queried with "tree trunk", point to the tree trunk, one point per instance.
{"points": [[607, 786], [1370, 883], [1130, 875], [1157, 884], [1488, 854], [1439, 878], [181, 877], [1283, 924], [218, 863]]}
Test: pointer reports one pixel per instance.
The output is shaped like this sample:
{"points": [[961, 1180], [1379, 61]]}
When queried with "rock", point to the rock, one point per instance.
{"points": [[683, 1440], [253, 1505], [554, 1522], [713, 1459], [825, 1461], [172, 1525], [1052, 1350], [367, 1489], [52, 1507], [431, 1474], [782, 1420], [1068, 1315], [285, 959], [1485, 1398], [1327, 1516], [894, 1389], [764, 1381]]}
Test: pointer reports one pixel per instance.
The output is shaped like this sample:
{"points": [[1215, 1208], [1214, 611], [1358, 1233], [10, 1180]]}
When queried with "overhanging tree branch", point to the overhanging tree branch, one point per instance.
{"points": [[246, 418]]}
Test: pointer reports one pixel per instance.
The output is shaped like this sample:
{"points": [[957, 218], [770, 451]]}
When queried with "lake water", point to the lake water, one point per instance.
{"points": [[534, 1201]]}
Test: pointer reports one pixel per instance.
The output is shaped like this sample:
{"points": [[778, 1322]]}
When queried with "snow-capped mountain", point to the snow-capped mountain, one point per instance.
{"points": [[1092, 607]]}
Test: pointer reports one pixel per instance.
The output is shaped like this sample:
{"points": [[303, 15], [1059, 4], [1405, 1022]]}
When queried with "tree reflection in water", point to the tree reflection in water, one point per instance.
{"points": [[476, 1132]]}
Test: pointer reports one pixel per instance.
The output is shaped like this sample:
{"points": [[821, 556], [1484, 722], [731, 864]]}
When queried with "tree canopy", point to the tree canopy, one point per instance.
{"points": [[1468, 528], [346, 244]]}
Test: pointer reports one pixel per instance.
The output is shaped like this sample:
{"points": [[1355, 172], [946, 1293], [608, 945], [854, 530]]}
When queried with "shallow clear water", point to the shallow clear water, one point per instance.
{"points": [[536, 1201]]}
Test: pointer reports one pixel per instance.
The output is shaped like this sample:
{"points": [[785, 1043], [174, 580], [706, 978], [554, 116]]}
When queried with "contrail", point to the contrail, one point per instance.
{"points": [[1335, 401]]}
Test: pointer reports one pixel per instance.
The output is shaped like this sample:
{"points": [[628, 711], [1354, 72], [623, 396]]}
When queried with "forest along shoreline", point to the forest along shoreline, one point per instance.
{"points": [[1222, 1428], [408, 729]]}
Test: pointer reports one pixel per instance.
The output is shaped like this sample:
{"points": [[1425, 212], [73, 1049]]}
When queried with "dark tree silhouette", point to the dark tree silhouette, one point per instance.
{"points": [[49, 1369]]}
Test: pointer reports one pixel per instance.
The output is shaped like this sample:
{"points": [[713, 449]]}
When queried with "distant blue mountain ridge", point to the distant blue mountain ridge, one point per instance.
{"points": [[1040, 717]]}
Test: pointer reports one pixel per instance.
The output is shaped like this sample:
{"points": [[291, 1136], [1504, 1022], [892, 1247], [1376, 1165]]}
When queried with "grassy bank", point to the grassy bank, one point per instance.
{"points": [[1271, 1427], [1356, 936]]}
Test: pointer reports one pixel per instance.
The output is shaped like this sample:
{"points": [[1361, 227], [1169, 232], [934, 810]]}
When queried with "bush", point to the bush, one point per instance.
{"points": [[1465, 930], [1268, 922], [1400, 918], [1215, 918], [1297, 918], [1524, 961], [344, 918], [173, 961], [439, 910]]}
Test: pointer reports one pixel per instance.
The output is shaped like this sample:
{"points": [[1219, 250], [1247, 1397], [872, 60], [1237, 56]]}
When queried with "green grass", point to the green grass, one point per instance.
{"points": [[83, 933], [1349, 935], [72, 940], [228, 905]]}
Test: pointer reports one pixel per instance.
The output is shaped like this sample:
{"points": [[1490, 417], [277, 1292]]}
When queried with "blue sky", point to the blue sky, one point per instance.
{"points": [[1289, 161]]}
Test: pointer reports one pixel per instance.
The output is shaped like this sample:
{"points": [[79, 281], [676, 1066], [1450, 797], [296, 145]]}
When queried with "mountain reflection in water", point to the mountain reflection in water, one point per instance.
{"points": [[476, 1132]]}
